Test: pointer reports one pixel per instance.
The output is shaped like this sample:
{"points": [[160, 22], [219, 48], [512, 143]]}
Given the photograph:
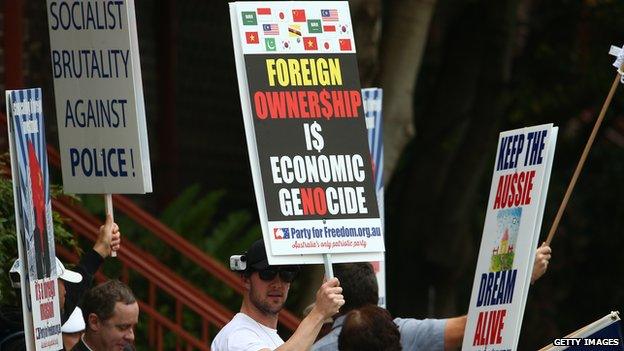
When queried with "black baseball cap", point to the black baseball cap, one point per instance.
{"points": [[256, 257]]}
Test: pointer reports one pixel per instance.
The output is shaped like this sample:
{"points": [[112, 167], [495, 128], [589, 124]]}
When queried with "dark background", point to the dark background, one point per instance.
{"points": [[456, 73]]}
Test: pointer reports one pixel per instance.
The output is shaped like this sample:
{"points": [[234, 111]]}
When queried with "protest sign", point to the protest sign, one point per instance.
{"points": [[33, 214], [372, 99], [510, 234], [305, 128], [99, 96]]}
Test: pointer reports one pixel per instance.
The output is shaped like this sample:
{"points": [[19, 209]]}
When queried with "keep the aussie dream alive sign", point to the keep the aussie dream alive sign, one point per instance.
{"points": [[510, 234]]}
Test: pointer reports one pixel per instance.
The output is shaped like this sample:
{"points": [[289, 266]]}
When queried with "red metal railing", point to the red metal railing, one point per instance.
{"points": [[148, 266], [153, 314], [159, 276], [171, 238]]}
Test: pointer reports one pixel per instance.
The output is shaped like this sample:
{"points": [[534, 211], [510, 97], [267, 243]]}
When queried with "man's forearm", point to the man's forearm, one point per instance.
{"points": [[454, 332], [306, 333]]}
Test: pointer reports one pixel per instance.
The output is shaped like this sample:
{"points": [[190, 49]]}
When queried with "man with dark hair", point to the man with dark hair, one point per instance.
{"points": [[369, 328], [266, 290], [360, 288], [111, 312]]}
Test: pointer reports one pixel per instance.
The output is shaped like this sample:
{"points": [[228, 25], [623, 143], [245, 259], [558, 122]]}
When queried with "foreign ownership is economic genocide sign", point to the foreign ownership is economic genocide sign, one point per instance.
{"points": [[33, 212], [305, 128], [99, 96], [510, 235]]}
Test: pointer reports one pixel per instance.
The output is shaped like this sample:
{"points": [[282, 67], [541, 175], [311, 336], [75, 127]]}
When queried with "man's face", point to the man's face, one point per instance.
{"points": [[118, 331], [267, 296]]}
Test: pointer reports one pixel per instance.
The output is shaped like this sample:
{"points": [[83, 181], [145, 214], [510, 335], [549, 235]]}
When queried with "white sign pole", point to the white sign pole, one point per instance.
{"points": [[329, 270], [108, 201]]}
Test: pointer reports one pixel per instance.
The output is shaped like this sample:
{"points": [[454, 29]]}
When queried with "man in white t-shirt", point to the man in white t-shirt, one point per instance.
{"points": [[266, 290]]}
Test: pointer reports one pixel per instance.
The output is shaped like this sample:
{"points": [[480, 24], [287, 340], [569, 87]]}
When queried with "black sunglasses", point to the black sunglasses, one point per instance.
{"points": [[287, 275]]}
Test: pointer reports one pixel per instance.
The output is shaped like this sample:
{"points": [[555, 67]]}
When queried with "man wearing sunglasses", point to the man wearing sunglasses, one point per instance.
{"points": [[266, 290]]}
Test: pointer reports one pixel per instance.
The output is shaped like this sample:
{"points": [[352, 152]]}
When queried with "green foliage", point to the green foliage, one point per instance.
{"points": [[8, 237]]}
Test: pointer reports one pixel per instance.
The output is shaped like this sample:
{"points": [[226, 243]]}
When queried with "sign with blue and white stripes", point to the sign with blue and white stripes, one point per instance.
{"points": [[33, 212], [372, 98], [372, 102]]}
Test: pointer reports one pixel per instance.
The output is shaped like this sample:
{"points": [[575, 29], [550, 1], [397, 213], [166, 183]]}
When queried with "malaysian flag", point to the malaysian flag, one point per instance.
{"points": [[270, 29], [329, 15]]}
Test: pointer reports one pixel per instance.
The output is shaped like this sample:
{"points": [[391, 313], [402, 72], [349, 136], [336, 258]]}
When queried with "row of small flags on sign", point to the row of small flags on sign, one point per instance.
{"points": [[264, 14], [295, 30], [309, 43]]}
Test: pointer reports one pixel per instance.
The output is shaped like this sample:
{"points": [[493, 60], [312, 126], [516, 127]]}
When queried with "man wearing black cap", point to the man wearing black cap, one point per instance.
{"points": [[266, 290]]}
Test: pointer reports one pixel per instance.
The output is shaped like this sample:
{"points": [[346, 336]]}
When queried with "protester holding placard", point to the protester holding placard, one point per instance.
{"points": [[361, 289], [266, 290], [507, 255], [108, 240], [72, 285], [540, 265]]}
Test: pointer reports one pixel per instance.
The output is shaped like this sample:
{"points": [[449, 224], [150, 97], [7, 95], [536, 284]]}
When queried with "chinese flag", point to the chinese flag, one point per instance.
{"points": [[345, 44], [252, 37], [299, 15], [309, 43]]}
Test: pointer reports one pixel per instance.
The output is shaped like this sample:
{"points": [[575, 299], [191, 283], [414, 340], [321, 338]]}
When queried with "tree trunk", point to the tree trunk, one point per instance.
{"points": [[404, 34], [432, 199]]}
